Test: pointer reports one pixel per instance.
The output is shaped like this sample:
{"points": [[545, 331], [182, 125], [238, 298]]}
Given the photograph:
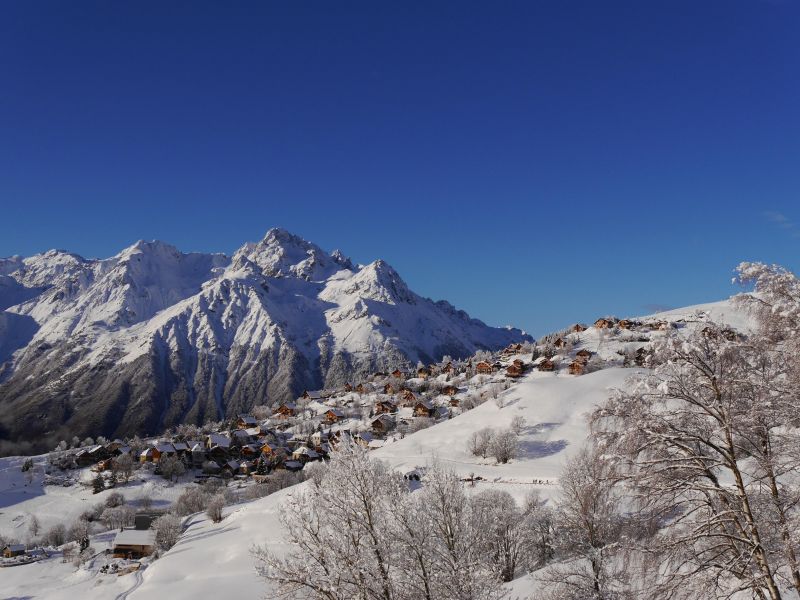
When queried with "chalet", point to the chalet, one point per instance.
{"points": [[134, 543], [560, 343], [251, 450], [114, 447], [165, 449], [311, 395], [363, 438], [423, 408], [218, 440], [13, 550], [408, 398], [334, 415], [385, 406], [198, 454], [448, 368], [546, 365], [484, 368], [103, 465], [150, 454], [423, 372], [241, 437], [267, 448], [398, 374], [388, 389], [514, 371], [604, 323], [284, 411], [578, 327], [231, 468], [217, 453], [450, 390], [577, 367], [293, 465], [348, 388], [246, 467], [626, 324], [583, 354], [360, 388], [181, 448], [304, 454], [382, 423], [246, 421]]}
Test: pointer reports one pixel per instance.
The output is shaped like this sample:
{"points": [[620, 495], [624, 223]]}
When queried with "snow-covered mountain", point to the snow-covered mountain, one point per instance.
{"points": [[153, 337]]}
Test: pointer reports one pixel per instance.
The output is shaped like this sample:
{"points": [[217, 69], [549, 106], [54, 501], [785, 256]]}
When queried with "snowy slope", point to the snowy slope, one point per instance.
{"points": [[152, 336]]}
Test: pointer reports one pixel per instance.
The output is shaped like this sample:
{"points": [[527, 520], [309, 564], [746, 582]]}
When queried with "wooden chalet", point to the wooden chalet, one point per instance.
{"points": [[348, 387], [408, 397], [423, 408], [577, 367], [546, 365], [604, 323], [382, 423], [578, 327], [134, 543], [626, 324], [284, 411], [560, 343], [334, 415], [484, 368], [583, 354], [455, 402], [398, 374], [512, 349], [388, 389], [385, 406], [514, 371], [448, 368], [423, 372], [150, 454], [449, 390], [245, 422], [360, 388], [13, 550]]}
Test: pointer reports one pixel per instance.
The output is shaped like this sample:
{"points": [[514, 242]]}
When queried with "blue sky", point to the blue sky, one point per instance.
{"points": [[535, 163]]}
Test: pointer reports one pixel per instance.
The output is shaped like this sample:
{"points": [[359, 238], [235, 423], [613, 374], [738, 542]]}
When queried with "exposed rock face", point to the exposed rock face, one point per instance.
{"points": [[153, 337]]}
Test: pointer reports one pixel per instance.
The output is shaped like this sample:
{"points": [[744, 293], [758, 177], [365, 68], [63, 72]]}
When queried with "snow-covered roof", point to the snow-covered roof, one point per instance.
{"points": [[217, 439], [135, 537], [15, 547]]}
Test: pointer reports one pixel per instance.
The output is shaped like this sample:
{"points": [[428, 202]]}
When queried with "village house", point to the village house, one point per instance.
{"points": [[218, 440], [455, 402], [423, 372], [604, 323], [385, 406], [13, 550], [150, 454], [363, 438], [407, 397], [448, 368], [360, 388], [577, 367], [449, 390], [559, 343], [334, 415], [484, 368], [423, 408], [382, 423], [577, 328], [514, 371], [398, 374], [348, 388], [284, 411], [245, 422], [304, 454], [134, 543], [311, 395], [583, 354], [546, 365], [388, 389], [626, 324]]}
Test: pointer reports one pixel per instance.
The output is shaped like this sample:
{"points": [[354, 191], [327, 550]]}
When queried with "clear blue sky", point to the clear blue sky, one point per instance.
{"points": [[535, 163]]}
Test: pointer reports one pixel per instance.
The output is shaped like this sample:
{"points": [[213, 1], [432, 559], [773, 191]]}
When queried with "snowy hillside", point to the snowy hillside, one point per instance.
{"points": [[153, 337], [212, 559]]}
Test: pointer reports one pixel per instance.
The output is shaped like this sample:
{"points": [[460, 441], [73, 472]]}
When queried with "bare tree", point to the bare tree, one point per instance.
{"points": [[478, 442], [590, 525], [122, 466]]}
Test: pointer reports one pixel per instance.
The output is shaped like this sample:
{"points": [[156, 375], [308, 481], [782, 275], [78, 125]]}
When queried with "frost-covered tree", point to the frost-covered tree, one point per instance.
{"points": [[122, 466], [502, 531], [708, 444], [214, 507], [478, 442], [591, 528], [171, 468], [504, 445], [359, 533], [168, 530]]}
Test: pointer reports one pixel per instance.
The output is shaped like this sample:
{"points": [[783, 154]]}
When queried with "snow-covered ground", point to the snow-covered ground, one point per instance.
{"points": [[212, 560]]}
